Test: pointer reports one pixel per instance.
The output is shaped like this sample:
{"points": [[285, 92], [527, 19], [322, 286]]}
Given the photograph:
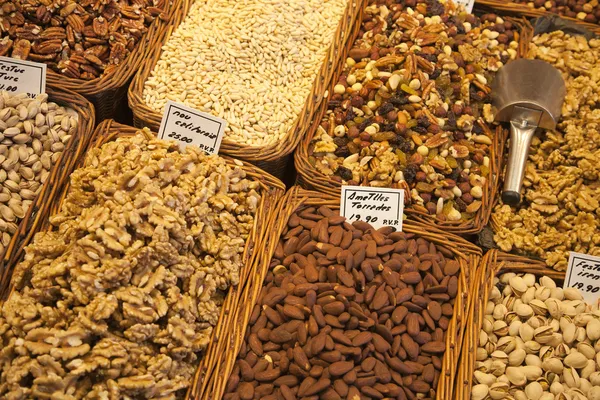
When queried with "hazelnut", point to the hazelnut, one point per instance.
{"points": [[421, 176], [464, 187], [502, 38], [440, 112], [400, 128], [590, 18], [426, 197], [467, 198], [364, 136], [431, 208], [357, 101], [353, 132], [457, 109]]}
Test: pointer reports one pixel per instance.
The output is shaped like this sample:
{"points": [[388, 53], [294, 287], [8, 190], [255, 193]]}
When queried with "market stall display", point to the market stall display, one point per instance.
{"points": [[93, 49], [263, 66], [42, 138], [559, 213], [411, 110], [528, 337], [341, 310], [139, 263]]}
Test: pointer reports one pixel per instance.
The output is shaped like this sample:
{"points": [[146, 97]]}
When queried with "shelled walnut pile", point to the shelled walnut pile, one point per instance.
{"points": [[118, 300], [561, 191], [79, 39], [412, 105]]}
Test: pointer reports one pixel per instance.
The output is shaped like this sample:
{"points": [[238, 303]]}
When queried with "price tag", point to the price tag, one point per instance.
{"points": [[377, 206], [189, 126], [583, 273], [18, 76], [468, 4]]}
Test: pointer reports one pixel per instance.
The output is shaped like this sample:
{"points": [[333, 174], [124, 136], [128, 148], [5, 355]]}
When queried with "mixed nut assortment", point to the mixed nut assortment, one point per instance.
{"points": [[560, 212], [348, 312], [583, 10], [119, 298], [33, 135], [252, 63], [537, 342], [80, 39], [412, 105]]}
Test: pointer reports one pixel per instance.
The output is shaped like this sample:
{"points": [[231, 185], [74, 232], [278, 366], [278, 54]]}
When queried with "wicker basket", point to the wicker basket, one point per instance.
{"points": [[108, 92], [218, 365], [310, 178], [270, 189], [273, 158], [40, 208], [494, 263], [523, 10]]}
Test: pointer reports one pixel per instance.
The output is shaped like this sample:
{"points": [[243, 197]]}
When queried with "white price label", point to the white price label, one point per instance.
{"points": [[377, 206], [583, 273], [18, 76], [189, 126], [468, 4]]}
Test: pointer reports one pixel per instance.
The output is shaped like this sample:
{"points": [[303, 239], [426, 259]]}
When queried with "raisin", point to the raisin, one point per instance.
{"points": [[344, 173], [419, 129], [385, 127], [342, 151], [435, 8], [410, 173], [461, 205], [385, 108], [398, 100], [340, 141], [477, 128], [350, 114], [424, 122], [455, 174], [436, 72]]}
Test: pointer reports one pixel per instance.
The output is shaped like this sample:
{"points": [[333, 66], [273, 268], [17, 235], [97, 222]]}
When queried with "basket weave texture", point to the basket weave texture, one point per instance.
{"points": [[59, 174], [273, 158], [217, 366]]}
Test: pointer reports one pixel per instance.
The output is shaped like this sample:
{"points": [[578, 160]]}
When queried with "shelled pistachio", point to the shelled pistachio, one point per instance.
{"points": [[537, 341], [411, 108]]}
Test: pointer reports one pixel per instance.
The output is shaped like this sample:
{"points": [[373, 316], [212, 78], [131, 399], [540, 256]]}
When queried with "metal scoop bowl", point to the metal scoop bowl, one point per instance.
{"points": [[528, 94]]}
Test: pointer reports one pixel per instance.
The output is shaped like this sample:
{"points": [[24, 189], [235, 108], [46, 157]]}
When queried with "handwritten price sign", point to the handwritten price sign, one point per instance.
{"points": [[18, 76], [189, 126], [583, 273], [376, 206]]}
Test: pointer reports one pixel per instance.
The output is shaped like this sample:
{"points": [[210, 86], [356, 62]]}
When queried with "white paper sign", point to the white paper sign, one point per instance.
{"points": [[377, 206], [583, 273], [18, 76], [189, 126], [467, 3]]}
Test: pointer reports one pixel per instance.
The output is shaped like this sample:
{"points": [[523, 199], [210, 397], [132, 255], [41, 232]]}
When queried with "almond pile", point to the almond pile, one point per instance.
{"points": [[347, 312]]}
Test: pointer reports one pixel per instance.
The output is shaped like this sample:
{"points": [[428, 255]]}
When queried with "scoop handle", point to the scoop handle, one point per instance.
{"points": [[520, 139]]}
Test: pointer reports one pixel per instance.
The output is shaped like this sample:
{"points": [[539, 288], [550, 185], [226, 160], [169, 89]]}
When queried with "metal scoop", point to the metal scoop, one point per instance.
{"points": [[529, 94]]}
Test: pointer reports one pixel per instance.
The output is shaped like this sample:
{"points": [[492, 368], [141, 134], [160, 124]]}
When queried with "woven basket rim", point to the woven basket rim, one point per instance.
{"points": [[146, 116], [125, 70], [219, 367], [58, 175]]}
